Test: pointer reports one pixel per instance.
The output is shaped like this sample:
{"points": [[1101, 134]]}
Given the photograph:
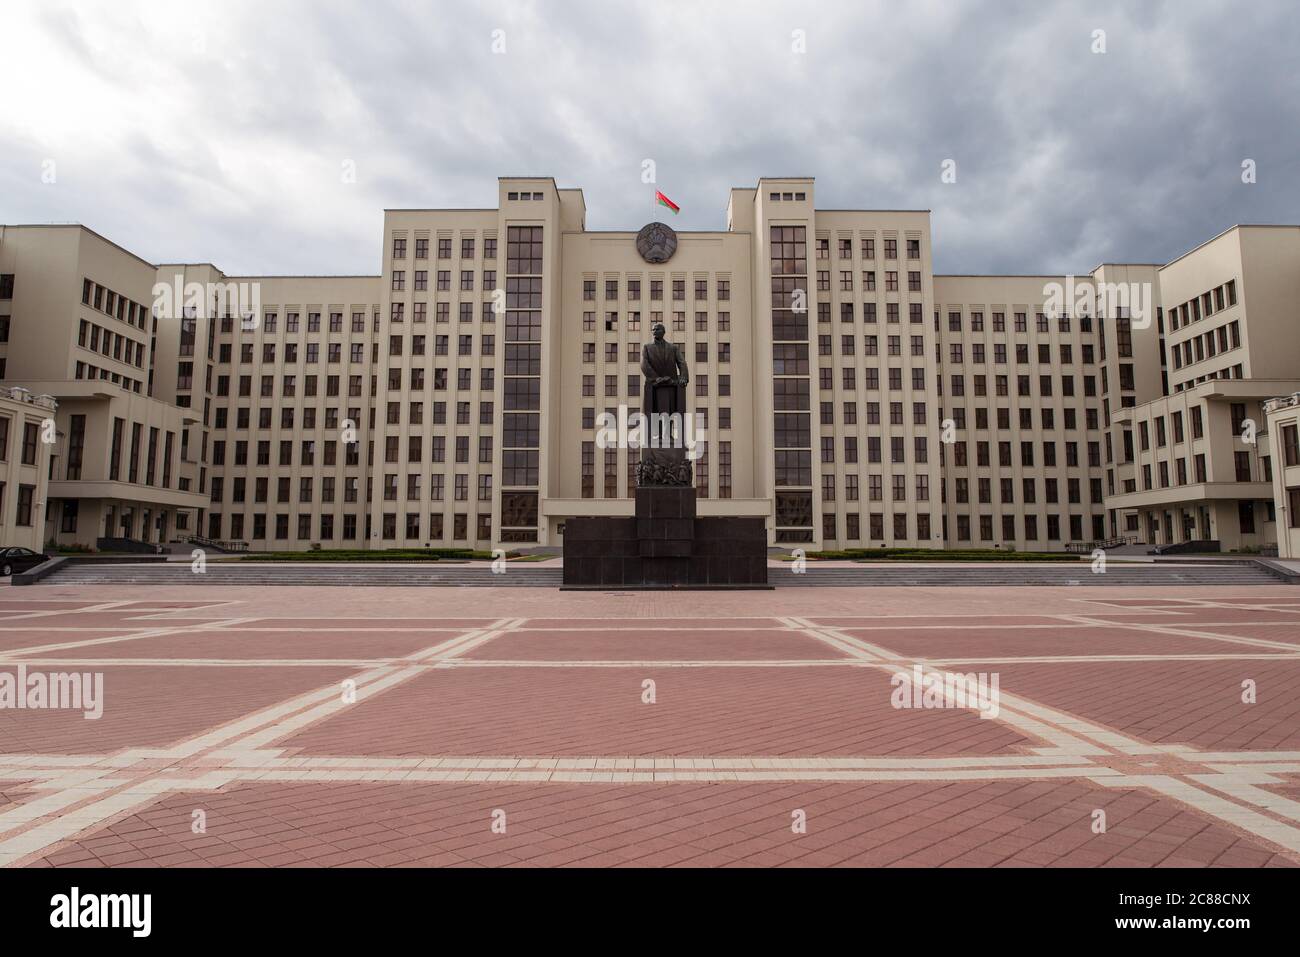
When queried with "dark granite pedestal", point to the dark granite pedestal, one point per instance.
{"points": [[666, 545]]}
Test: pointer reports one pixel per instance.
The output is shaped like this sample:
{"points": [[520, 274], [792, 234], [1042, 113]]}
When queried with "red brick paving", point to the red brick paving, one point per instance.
{"points": [[154, 603], [1175, 702], [1289, 789], [992, 824], [432, 625], [1023, 642], [698, 711], [1286, 633], [934, 621], [1248, 601], [1149, 617], [480, 707], [1205, 616], [126, 620], [629, 645], [606, 624], [249, 644], [33, 637], [18, 606], [1140, 602], [152, 707]]}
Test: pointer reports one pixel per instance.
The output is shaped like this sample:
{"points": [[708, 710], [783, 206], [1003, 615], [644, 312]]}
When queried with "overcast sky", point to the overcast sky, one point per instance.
{"points": [[194, 131]]}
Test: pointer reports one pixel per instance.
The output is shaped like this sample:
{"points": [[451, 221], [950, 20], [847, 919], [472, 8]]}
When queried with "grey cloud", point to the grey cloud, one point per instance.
{"points": [[1065, 157]]}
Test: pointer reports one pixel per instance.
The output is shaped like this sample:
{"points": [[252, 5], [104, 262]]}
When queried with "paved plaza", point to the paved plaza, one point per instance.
{"points": [[527, 726]]}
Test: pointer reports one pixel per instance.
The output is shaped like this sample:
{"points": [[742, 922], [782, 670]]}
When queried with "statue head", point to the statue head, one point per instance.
{"points": [[659, 331]]}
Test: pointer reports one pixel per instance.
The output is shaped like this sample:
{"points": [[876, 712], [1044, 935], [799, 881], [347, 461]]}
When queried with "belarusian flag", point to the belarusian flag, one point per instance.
{"points": [[663, 200]]}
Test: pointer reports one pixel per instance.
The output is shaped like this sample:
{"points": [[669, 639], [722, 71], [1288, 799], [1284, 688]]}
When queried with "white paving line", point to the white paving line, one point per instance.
{"points": [[618, 776], [1064, 732], [23, 814], [240, 746], [413, 667], [257, 627], [1027, 718], [113, 639], [854, 647], [30, 614], [1248, 755], [1067, 621], [202, 662], [1083, 659], [260, 764], [241, 735], [43, 835], [851, 662], [78, 629], [1198, 632], [1248, 790], [324, 699], [1263, 769], [1212, 805]]}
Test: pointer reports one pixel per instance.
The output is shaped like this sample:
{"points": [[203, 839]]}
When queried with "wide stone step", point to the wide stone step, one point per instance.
{"points": [[180, 573], [1029, 575], [241, 574]]}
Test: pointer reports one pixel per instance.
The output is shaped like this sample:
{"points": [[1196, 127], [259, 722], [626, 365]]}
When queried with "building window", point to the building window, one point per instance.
{"points": [[25, 496], [68, 522], [1291, 445], [1245, 515], [30, 433]]}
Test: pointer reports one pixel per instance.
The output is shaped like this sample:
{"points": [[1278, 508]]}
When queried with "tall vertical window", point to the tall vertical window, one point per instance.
{"points": [[588, 469], [520, 417], [1291, 445], [167, 459], [1238, 412], [76, 446], [71, 508], [792, 430], [151, 460], [133, 465], [611, 472], [25, 495], [115, 454], [30, 434]]}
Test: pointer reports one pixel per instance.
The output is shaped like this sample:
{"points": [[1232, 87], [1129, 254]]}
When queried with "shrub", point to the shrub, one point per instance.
{"points": [[378, 555], [941, 555]]}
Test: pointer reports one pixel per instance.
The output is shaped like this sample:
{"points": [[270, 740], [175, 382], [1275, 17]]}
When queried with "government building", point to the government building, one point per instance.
{"points": [[847, 393]]}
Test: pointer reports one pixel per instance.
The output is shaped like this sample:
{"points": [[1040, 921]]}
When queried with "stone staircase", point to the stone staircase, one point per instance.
{"points": [[536, 575], [952, 574], [332, 574]]}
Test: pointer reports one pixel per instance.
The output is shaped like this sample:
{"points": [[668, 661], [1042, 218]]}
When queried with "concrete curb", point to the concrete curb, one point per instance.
{"points": [[36, 573]]}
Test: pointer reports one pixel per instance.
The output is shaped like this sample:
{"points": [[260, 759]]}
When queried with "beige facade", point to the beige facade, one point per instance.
{"points": [[277, 394], [1284, 435], [846, 393], [1199, 453], [78, 328], [25, 454], [1022, 387]]}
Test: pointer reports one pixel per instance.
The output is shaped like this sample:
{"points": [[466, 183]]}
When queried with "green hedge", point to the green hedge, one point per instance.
{"points": [[384, 555], [942, 555]]}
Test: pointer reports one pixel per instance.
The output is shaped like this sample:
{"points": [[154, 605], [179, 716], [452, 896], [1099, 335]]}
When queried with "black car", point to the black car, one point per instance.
{"points": [[17, 559]]}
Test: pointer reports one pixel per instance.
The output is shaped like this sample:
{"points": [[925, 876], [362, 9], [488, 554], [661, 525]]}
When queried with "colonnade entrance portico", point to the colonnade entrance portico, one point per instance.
{"points": [[133, 520]]}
